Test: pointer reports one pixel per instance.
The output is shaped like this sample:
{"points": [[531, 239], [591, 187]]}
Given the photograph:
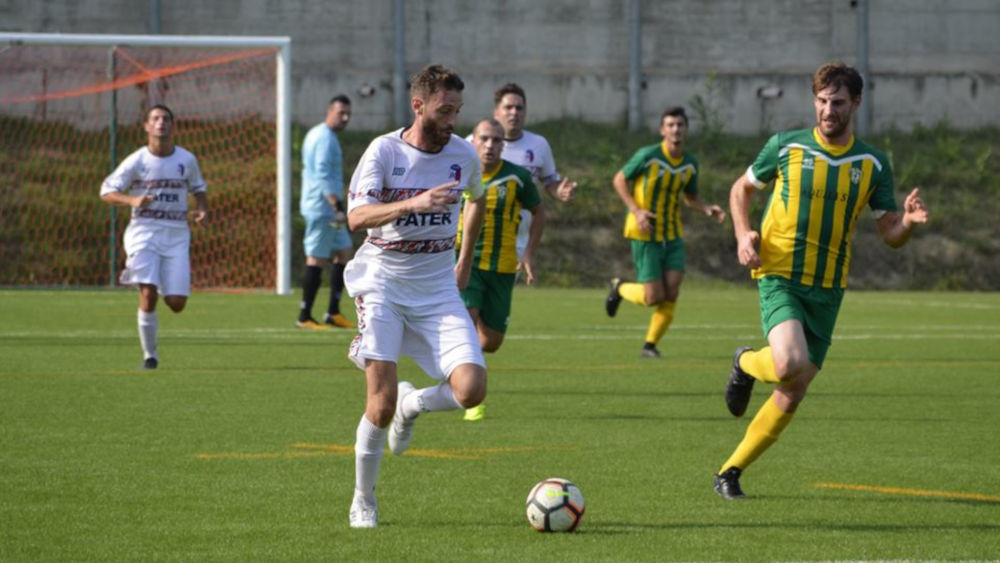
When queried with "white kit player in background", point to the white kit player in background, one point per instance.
{"points": [[528, 150], [155, 182], [407, 191]]}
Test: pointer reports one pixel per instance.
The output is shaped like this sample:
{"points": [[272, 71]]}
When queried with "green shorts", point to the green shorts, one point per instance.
{"points": [[815, 307], [491, 293], [653, 258]]}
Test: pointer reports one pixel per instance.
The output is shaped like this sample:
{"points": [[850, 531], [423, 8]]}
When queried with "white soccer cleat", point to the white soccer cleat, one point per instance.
{"points": [[363, 513], [401, 429]]}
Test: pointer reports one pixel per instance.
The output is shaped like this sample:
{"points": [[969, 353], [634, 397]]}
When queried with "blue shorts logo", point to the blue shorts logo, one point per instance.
{"points": [[456, 173]]}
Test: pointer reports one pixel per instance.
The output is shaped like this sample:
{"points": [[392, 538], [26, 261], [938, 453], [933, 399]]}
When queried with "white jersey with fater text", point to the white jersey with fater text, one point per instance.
{"points": [[533, 152], [168, 178], [413, 256]]}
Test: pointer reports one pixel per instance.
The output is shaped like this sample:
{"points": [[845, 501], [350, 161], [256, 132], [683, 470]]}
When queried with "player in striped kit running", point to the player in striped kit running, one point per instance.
{"points": [[652, 185], [823, 179], [509, 191]]}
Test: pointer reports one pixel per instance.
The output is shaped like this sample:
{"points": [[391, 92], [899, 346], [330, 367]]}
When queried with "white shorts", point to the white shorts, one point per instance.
{"points": [[438, 336], [158, 256]]}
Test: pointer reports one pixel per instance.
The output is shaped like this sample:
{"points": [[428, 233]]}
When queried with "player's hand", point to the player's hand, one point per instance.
{"points": [[526, 266], [746, 249], [143, 201], [199, 215], [463, 271], [436, 199], [564, 191], [716, 212], [644, 219], [914, 210]]}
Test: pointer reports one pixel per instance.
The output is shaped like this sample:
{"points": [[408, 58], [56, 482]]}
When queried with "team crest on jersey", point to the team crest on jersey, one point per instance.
{"points": [[456, 173], [855, 175], [530, 154], [807, 163]]}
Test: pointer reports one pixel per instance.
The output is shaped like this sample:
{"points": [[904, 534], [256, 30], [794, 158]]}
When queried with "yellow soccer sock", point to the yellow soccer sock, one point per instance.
{"points": [[763, 431], [759, 364], [660, 321], [633, 292]]}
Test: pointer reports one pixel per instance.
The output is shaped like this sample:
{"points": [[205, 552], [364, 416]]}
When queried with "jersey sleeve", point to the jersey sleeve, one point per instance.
{"points": [[635, 164], [547, 172], [196, 184], [123, 176], [883, 189], [475, 189], [528, 194], [369, 177], [765, 167], [692, 186]]}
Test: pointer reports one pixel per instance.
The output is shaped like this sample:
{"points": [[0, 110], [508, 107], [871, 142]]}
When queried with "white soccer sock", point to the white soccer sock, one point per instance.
{"points": [[367, 456], [430, 399], [148, 327]]}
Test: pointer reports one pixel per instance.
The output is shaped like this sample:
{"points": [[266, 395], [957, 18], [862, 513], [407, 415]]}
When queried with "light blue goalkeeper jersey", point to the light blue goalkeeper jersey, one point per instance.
{"points": [[322, 172]]}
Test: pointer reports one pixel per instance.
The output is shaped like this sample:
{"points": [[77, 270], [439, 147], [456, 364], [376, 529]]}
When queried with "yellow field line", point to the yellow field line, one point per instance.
{"points": [[908, 492]]}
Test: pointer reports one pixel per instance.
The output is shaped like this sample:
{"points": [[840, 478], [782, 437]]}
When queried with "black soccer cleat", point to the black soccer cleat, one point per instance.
{"points": [[727, 484], [650, 351], [150, 363], [739, 387], [613, 300]]}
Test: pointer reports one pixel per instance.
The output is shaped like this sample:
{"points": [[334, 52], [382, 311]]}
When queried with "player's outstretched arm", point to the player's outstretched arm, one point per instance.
{"points": [[561, 189], [709, 209], [534, 236], [896, 229], [739, 210], [119, 198], [472, 224], [433, 200], [644, 217]]}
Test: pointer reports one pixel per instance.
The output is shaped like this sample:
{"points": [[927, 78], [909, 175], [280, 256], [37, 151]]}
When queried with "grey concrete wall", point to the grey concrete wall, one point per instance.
{"points": [[930, 59]]}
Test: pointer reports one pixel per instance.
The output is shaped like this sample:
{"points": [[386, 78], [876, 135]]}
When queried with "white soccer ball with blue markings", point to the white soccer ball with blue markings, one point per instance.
{"points": [[555, 505]]}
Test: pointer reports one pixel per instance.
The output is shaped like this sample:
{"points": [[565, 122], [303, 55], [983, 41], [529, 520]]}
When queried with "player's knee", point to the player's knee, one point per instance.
{"points": [[470, 388], [491, 343], [790, 368], [175, 303], [380, 412]]}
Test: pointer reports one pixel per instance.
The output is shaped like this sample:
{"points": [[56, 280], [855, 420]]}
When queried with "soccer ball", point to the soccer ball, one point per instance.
{"points": [[555, 505]]}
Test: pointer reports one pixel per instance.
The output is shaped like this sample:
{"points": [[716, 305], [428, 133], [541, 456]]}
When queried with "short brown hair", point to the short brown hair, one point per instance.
{"points": [[676, 111], [508, 88], [149, 112], [837, 74], [432, 78]]}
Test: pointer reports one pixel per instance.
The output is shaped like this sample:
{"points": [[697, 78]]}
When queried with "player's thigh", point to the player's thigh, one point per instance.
{"points": [[142, 256], [380, 332], [175, 264], [497, 298], [441, 336], [648, 258], [320, 238]]}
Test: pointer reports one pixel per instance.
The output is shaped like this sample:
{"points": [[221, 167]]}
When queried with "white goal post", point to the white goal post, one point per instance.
{"points": [[283, 50]]}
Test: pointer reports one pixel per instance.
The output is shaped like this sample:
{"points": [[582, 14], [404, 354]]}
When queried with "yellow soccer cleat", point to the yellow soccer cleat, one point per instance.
{"points": [[339, 321], [477, 412], [311, 324]]}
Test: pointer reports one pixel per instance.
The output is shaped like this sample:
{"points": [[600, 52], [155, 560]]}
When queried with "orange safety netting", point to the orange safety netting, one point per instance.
{"points": [[55, 150]]}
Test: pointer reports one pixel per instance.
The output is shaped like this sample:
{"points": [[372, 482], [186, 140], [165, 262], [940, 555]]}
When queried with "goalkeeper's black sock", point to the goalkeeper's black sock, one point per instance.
{"points": [[336, 289], [310, 285]]}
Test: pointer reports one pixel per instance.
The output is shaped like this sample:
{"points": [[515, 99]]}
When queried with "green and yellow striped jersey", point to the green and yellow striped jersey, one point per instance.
{"points": [[819, 192], [657, 180], [507, 191]]}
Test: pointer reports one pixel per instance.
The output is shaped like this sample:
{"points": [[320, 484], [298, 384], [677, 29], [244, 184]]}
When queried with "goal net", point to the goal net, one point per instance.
{"points": [[71, 108]]}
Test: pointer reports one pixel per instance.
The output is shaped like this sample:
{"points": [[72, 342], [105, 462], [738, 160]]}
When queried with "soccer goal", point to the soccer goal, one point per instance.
{"points": [[71, 108]]}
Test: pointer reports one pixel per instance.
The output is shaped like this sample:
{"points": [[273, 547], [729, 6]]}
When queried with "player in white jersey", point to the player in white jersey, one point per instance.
{"points": [[406, 191], [155, 182], [528, 150]]}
